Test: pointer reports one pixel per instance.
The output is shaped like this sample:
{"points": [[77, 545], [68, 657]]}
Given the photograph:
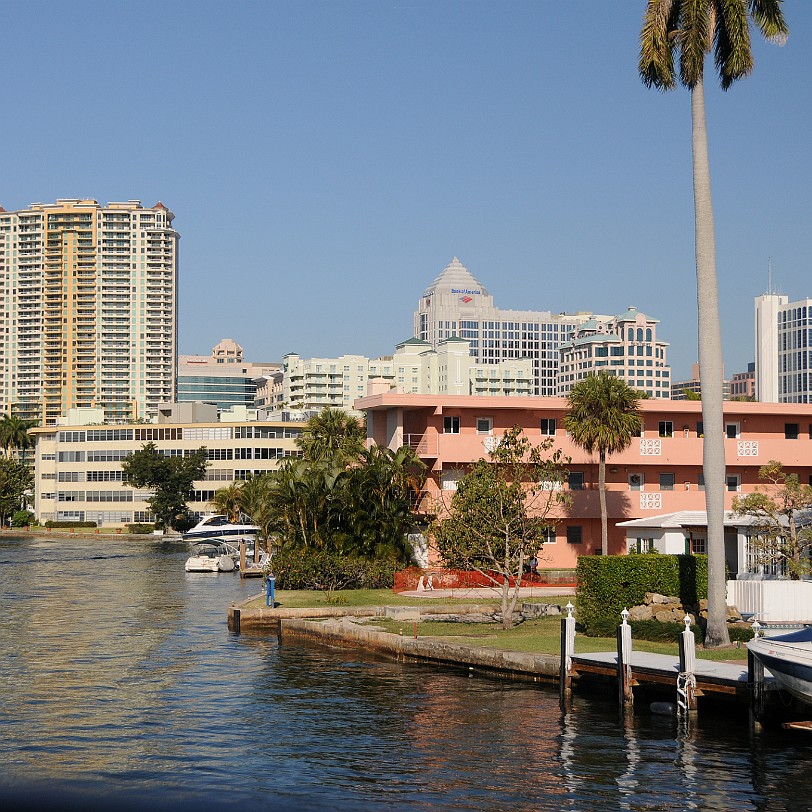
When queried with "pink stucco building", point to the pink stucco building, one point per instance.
{"points": [[661, 472]]}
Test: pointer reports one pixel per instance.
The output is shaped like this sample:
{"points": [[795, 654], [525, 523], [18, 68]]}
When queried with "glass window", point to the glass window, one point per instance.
{"points": [[667, 482], [484, 425], [733, 482], [636, 482], [451, 425], [576, 480], [548, 426], [574, 534], [731, 430], [666, 428], [791, 431]]}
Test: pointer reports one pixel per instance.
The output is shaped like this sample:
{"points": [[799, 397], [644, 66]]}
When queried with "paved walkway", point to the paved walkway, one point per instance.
{"points": [[490, 593]]}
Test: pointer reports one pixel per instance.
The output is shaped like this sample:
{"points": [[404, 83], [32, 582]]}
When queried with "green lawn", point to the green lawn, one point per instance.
{"points": [[537, 635]]}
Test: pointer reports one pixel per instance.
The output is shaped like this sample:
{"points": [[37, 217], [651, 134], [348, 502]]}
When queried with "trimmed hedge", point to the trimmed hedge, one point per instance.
{"points": [[656, 632], [65, 525], [140, 528], [609, 584], [321, 569]]}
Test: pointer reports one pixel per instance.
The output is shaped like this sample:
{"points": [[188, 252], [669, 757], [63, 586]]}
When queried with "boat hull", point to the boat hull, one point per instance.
{"points": [[789, 662]]}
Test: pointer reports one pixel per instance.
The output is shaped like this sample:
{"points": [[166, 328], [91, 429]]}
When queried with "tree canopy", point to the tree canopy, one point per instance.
{"points": [[332, 432], [14, 434], [338, 496], [502, 511], [171, 479], [16, 481], [780, 536]]}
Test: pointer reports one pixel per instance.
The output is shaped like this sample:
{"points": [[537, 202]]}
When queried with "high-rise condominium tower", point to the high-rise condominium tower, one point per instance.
{"points": [[89, 309]]}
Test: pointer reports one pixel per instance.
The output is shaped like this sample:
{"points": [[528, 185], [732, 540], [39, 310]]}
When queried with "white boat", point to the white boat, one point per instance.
{"points": [[218, 527], [789, 659], [211, 557]]}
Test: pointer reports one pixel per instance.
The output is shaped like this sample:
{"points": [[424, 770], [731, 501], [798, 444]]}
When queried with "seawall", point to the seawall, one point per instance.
{"points": [[336, 626]]}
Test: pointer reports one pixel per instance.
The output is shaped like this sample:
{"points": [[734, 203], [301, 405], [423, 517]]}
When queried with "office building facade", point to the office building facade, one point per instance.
{"points": [[457, 304], [90, 309], [625, 346], [224, 378], [783, 331]]}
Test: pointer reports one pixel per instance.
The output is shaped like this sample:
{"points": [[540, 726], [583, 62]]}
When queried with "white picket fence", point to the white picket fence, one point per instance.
{"points": [[772, 601]]}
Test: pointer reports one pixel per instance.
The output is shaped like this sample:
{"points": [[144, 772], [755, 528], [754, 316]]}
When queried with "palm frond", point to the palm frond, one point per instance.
{"points": [[657, 43], [732, 54], [769, 19], [694, 40]]}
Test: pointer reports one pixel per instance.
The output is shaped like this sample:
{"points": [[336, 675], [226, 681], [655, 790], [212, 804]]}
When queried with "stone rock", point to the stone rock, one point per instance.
{"points": [[733, 615], [703, 604], [665, 615], [643, 612]]}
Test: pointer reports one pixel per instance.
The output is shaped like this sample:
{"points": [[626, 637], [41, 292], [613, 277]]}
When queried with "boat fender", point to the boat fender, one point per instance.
{"points": [[663, 708]]}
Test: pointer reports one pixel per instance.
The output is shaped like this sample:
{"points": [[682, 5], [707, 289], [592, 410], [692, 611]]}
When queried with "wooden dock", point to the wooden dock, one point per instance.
{"points": [[662, 669], [682, 680]]}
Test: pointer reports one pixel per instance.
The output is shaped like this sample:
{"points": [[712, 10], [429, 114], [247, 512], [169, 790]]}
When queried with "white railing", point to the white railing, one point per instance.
{"points": [[772, 600]]}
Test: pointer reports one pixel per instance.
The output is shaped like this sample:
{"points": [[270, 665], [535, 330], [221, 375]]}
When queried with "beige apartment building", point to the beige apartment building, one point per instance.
{"points": [[307, 385], [89, 295], [78, 475]]}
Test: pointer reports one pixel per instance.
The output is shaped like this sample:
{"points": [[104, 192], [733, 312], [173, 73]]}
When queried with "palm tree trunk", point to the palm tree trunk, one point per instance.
{"points": [[602, 497], [711, 372]]}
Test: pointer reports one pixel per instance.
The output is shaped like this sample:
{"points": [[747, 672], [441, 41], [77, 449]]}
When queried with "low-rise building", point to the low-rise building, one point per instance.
{"points": [[661, 472], [78, 475]]}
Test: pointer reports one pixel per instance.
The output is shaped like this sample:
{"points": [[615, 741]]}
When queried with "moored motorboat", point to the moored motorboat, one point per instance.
{"points": [[218, 526], [789, 659], [210, 557]]}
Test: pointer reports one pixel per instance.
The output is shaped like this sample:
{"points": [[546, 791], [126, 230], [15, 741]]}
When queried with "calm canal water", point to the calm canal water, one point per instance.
{"points": [[121, 685]]}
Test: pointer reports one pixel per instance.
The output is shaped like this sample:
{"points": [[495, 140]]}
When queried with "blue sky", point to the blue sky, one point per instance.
{"points": [[325, 160]]}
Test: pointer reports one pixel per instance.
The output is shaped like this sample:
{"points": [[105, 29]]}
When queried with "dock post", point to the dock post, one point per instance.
{"points": [[755, 685], [686, 679], [567, 650], [242, 556], [624, 664]]}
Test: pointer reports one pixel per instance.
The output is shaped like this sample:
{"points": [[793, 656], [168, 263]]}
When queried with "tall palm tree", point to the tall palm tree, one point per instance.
{"points": [[689, 30], [14, 434], [603, 416]]}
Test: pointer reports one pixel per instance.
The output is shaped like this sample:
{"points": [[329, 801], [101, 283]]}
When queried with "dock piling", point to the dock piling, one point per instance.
{"points": [[567, 650], [624, 664], [686, 679]]}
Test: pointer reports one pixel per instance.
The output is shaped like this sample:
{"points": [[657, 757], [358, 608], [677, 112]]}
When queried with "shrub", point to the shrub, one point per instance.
{"points": [[140, 528], [23, 518], [608, 584], [320, 569], [66, 525]]}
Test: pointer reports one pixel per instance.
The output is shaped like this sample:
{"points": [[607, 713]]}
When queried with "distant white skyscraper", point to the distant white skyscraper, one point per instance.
{"points": [[783, 349], [456, 304], [90, 309]]}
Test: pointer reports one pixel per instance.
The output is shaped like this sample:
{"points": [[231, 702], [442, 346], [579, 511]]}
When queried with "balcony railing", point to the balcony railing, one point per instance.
{"points": [[422, 444]]}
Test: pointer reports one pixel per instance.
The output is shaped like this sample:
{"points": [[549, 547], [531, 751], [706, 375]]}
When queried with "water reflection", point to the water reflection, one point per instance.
{"points": [[118, 675]]}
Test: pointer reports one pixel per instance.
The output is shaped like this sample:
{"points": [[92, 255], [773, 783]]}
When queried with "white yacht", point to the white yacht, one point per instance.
{"points": [[218, 527]]}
